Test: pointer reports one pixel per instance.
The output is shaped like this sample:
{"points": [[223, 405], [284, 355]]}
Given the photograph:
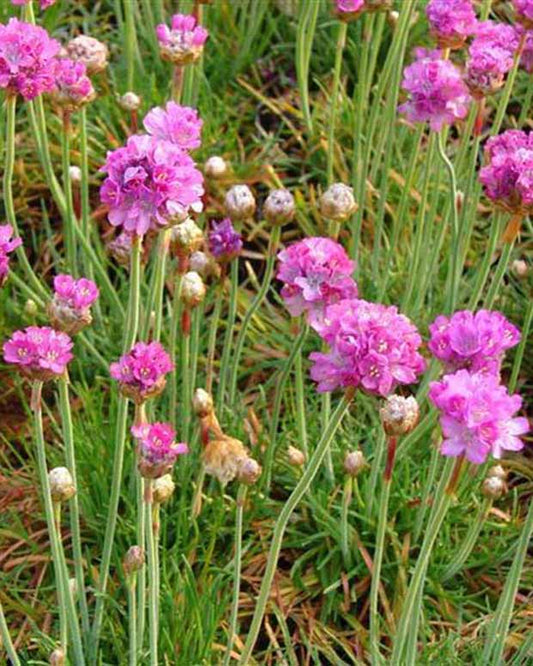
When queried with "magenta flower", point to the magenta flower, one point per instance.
{"points": [[41, 353], [451, 21], [476, 342], [524, 11], [73, 88], [180, 125], [7, 245], [372, 346], [150, 184], [477, 416], [526, 59], [70, 309], [508, 176], [349, 6], [437, 93], [316, 272], [158, 448], [183, 42], [27, 59], [224, 242], [141, 372], [44, 4]]}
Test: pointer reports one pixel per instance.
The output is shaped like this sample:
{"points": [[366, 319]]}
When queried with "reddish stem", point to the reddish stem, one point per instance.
{"points": [[456, 474], [391, 454], [134, 121], [186, 321]]}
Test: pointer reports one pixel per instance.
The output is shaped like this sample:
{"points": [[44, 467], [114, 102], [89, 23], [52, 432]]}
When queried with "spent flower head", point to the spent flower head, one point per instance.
{"points": [[39, 352], [183, 42], [177, 124], [90, 51], [223, 458], [141, 372], [7, 245]]}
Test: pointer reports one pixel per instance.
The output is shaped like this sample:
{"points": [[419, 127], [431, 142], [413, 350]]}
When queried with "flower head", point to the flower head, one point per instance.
{"points": [[141, 372], [7, 245], [451, 21], [240, 202], [316, 272], [224, 458], [337, 203], [279, 207], [180, 125], [158, 448], [477, 416], [437, 93], [150, 184], [27, 59], [70, 309], [372, 346], [90, 51], [183, 42], [349, 9], [40, 352], [73, 88], [44, 4], [524, 12], [475, 341], [224, 242]]}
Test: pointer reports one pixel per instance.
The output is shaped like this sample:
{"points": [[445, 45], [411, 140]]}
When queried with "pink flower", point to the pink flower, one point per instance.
{"points": [[526, 60], [158, 449], [437, 93], [150, 183], [477, 416], [224, 242], [40, 353], [27, 59], [178, 124], [350, 6], [476, 342], [183, 42], [7, 245], [524, 11], [451, 21], [70, 309], [44, 4], [372, 346], [508, 176], [316, 272], [141, 372], [73, 88]]}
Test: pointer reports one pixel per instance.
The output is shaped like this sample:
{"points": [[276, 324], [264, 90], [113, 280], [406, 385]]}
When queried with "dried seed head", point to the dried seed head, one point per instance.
{"points": [[133, 560], [240, 202], [223, 458], [493, 487], [279, 207], [295, 457], [57, 658], [62, 486], [90, 51], [354, 462], [216, 167], [129, 101], [30, 307], [204, 264], [186, 237], [249, 471], [192, 289], [74, 173], [399, 415], [520, 268], [202, 403], [163, 488], [337, 203], [498, 471]]}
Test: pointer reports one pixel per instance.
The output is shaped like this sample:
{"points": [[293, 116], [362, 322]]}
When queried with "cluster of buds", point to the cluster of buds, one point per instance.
{"points": [[62, 486], [337, 203], [495, 483]]}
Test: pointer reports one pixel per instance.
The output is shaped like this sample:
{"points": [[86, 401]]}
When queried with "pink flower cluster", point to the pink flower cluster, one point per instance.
{"points": [[350, 6], [70, 309], [508, 176], [437, 92], [476, 342], [141, 372], [41, 353], [158, 448], [224, 242], [316, 272], [73, 88], [7, 245], [150, 183], [524, 11], [180, 125], [451, 21], [44, 4], [372, 346], [183, 42], [477, 416], [27, 59]]}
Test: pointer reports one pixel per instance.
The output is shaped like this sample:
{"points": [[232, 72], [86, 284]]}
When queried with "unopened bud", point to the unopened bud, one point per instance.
{"points": [[163, 488], [57, 658], [186, 237], [202, 403], [493, 487], [498, 471], [129, 101], [337, 203], [392, 18], [249, 472], [240, 202], [354, 462], [61, 484], [520, 268], [399, 415], [30, 307], [192, 289], [216, 167], [74, 173], [133, 560], [88, 50], [279, 207], [204, 264], [295, 456]]}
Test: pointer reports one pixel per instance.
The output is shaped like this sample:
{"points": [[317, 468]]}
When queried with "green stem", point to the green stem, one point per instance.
{"points": [[436, 457], [307, 18], [484, 269], [7, 643], [132, 619], [281, 524], [347, 496], [250, 312], [130, 42], [234, 615], [85, 204], [186, 395], [228, 336], [341, 42], [175, 328], [155, 300], [521, 347], [153, 602], [299, 389], [212, 340], [468, 541], [68, 229], [141, 575], [509, 85], [503, 265]]}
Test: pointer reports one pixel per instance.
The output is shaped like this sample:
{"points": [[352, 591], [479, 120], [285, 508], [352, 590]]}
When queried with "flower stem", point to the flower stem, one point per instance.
{"points": [[85, 204], [68, 229], [186, 396], [153, 578], [503, 265], [174, 330], [339, 52], [228, 337], [141, 576], [130, 42], [347, 495], [281, 524], [7, 643], [307, 18], [212, 340], [132, 618], [468, 541], [519, 355]]}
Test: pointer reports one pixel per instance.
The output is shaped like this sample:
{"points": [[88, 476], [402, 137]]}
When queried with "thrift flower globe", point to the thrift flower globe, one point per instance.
{"points": [[177, 124], [224, 242], [158, 448], [130, 101], [224, 458], [141, 372], [437, 93], [477, 416], [39, 352], [27, 59], [183, 42], [349, 9], [451, 21], [90, 51], [240, 202], [70, 309], [62, 486], [474, 341], [372, 347], [73, 88], [7, 245], [279, 207], [337, 203], [315, 272]]}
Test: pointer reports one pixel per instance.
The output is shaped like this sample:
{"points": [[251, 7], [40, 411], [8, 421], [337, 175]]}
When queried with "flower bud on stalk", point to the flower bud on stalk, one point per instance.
{"points": [[88, 50], [520, 268], [249, 472], [62, 486], [399, 416], [216, 168], [163, 489], [295, 457], [30, 307], [192, 294], [205, 265], [57, 658], [202, 403], [493, 487], [337, 203], [279, 208], [354, 463], [133, 560], [131, 102], [240, 203]]}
